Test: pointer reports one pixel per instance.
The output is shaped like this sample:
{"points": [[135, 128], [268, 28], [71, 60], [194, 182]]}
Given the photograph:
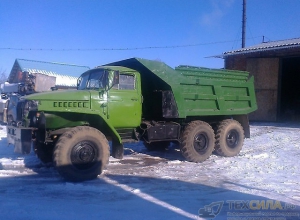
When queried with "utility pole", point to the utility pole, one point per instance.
{"points": [[244, 24]]}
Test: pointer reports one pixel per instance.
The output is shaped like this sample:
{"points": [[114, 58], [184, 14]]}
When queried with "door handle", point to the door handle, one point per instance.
{"points": [[134, 99]]}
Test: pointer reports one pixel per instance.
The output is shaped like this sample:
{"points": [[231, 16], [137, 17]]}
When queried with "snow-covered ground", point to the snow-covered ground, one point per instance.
{"points": [[262, 182]]}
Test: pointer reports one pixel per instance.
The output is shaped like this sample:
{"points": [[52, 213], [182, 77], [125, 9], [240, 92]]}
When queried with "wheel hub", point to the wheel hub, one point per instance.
{"points": [[83, 154], [232, 138], [201, 143]]}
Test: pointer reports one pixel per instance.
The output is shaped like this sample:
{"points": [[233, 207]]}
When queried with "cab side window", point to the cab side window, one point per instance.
{"points": [[126, 82]]}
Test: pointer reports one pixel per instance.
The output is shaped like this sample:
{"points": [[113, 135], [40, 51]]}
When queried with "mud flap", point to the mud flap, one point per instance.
{"points": [[244, 121], [20, 138], [117, 150]]}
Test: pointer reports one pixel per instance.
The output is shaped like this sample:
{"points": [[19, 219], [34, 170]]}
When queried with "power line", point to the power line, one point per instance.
{"points": [[119, 49]]}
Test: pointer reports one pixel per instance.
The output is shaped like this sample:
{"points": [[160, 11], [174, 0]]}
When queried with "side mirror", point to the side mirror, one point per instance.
{"points": [[79, 81]]}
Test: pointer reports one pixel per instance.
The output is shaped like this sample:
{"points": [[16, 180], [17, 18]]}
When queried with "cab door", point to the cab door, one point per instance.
{"points": [[125, 102]]}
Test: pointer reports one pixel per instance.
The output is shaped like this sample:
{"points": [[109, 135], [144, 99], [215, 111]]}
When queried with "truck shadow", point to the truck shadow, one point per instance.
{"points": [[170, 153], [132, 197], [190, 198]]}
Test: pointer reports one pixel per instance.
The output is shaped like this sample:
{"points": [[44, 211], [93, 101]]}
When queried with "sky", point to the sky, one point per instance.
{"points": [[177, 32]]}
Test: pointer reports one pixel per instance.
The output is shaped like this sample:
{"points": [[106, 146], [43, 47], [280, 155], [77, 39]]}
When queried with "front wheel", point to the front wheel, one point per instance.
{"points": [[81, 154], [229, 138], [197, 142]]}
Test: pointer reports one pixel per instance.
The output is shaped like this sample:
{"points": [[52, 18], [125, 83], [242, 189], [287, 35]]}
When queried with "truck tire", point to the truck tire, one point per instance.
{"points": [[44, 152], [229, 138], [197, 142], [81, 154], [157, 146]]}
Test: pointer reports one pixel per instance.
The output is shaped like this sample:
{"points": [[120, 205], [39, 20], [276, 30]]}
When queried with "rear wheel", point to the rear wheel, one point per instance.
{"points": [[81, 154], [197, 142], [229, 138]]}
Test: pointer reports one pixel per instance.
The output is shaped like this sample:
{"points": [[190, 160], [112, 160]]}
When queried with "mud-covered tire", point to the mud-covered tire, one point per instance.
{"points": [[157, 146], [229, 138], [81, 154], [197, 141], [44, 151]]}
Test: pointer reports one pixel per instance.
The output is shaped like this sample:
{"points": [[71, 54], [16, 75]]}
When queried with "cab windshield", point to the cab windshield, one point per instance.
{"points": [[95, 80]]}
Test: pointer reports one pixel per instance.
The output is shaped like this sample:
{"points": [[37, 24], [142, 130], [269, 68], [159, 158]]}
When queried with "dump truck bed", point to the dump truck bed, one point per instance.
{"points": [[215, 92]]}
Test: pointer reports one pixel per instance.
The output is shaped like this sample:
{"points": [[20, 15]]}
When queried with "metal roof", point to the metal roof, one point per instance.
{"points": [[272, 45], [66, 74], [61, 80]]}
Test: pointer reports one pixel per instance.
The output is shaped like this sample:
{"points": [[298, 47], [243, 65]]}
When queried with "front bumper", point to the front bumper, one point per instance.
{"points": [[21, 138]]}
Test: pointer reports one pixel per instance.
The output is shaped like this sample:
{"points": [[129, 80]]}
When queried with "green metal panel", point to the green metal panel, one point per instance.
{"points": [[125, 105]]}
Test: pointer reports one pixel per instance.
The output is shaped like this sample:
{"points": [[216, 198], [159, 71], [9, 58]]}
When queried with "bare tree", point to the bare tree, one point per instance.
{"points": [[3, 76]]}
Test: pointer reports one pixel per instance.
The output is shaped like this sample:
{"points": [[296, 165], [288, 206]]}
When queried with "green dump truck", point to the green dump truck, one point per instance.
{"points": [[204, 110]]}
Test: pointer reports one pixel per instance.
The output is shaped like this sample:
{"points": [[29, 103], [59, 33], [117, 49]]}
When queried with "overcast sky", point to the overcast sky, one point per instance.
{"points": [[96, 32]]}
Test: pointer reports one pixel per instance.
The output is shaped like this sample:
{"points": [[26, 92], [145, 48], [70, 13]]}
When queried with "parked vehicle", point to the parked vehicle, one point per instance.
{"points": [[135, 100], [25, 85]]}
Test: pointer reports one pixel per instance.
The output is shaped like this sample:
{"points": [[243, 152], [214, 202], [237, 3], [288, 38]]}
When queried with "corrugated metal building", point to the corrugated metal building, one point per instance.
{"points": [[276, 68], [66, 75]]}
